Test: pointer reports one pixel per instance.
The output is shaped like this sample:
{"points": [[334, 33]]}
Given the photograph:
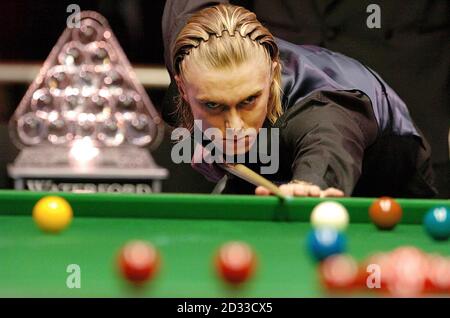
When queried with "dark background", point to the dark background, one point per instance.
{"points": [[411, 52]]}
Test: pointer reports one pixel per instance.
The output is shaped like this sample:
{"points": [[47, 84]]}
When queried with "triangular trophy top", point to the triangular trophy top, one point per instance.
{"points": [[86, 88]]}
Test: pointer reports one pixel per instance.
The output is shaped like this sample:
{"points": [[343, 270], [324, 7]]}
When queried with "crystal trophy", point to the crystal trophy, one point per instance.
{"points": [[86, 119]]}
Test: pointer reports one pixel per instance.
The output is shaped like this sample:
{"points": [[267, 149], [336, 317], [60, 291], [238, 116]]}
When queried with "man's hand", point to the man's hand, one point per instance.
{"points": [[302, 189]]}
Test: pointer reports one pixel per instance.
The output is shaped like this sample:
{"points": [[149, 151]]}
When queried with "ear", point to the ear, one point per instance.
{"points": [[181, 87], [274, 66]]}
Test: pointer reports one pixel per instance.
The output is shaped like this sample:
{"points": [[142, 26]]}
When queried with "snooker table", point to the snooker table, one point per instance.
{"points": [[187, 229]]}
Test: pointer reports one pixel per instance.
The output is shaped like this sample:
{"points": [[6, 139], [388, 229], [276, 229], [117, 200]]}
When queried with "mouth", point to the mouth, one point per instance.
{"points": [[237, 139], [234, 139]]}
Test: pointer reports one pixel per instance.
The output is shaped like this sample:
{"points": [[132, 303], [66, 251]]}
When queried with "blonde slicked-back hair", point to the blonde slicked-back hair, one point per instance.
{"points": [[224, 36]]}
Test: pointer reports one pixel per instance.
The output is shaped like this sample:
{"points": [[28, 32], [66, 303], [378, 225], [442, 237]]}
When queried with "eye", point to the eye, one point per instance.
{"points": [[249, 101], [211, 105]]}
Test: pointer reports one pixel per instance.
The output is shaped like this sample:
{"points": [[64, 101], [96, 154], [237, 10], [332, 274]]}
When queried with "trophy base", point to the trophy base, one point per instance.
{"points": [[126, 169]]}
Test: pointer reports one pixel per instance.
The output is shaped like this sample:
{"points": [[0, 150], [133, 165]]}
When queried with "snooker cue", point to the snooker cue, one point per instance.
{"points": [[249, 175]]}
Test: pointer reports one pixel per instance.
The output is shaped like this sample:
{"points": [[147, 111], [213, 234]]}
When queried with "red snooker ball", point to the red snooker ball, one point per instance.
{"points": [[438, 274], [385, 213], [339, 272], [381, 265], [138, 261], [235, 262], [409, 275]]}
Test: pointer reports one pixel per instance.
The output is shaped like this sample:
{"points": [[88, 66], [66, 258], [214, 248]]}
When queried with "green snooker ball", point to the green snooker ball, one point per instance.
{"points": [[437, 223]]}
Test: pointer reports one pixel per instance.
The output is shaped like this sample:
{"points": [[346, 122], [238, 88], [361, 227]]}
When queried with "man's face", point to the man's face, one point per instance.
{"points": [[233, 100]]}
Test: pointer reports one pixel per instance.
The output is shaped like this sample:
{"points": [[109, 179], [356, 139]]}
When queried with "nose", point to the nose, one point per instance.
{"points": [[234, 122]]}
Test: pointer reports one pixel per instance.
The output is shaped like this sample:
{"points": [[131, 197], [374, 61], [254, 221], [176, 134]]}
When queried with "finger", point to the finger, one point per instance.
{"points": [[287, 189], [262, 191], [300, 190], [331, 192], [314, 191], [335, 192]]}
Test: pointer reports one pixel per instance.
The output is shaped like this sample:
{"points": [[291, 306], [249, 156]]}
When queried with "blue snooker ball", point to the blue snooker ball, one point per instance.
{"points": [[324, 242], [437, 222]]}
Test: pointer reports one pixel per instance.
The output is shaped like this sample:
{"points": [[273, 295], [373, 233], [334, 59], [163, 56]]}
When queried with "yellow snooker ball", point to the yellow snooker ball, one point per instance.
{"points": [[52, 214]]}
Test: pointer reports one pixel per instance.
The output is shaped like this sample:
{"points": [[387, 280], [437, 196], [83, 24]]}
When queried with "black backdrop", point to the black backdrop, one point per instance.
{"points": [[411, 51]]}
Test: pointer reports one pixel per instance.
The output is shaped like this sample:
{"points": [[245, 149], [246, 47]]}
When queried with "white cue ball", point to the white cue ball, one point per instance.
{"points": [[330, 214]]}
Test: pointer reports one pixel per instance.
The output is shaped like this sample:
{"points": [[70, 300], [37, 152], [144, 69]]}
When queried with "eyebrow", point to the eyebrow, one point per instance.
{"points": [[206, 100]]}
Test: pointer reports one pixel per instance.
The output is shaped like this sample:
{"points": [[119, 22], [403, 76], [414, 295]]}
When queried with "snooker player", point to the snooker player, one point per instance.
{"points": [[343, 130]]}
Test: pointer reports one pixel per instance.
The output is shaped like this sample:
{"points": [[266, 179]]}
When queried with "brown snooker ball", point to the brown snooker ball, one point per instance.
{"points": [[385, 213]]}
